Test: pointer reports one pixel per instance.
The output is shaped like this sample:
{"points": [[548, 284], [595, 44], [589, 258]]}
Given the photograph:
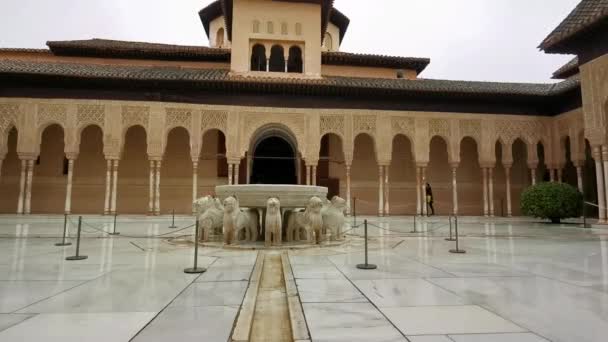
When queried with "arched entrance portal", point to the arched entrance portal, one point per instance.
{"points": [[274, 162]]}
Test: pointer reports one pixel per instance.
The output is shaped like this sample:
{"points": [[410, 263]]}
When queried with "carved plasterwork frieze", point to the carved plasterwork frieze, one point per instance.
{"points": [[52, 113], [178, 117], [470, 128], [214, 120], [364, 124], [402, 125], [295, 123], [90, 114], [332, 124], [440, 127], [135, 115], [8, 115], [530, 131]]}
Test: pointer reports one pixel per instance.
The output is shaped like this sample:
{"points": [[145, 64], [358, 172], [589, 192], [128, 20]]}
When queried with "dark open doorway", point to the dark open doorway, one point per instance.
{"points": [[274, 162]]}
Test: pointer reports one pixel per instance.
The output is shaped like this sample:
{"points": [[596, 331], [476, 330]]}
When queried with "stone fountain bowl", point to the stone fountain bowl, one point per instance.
{"points": [[256, 195]]}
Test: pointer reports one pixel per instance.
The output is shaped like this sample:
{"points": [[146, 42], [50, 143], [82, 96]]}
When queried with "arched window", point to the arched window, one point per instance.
{"points": [[270, 27], [219, 38], [258, 58], [256, 26], [295, 60], [277, 59], [284, 29], [329, 43]]}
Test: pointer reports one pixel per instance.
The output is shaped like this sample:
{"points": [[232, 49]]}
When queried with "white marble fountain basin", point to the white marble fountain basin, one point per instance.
{"points": [[256, 195]]}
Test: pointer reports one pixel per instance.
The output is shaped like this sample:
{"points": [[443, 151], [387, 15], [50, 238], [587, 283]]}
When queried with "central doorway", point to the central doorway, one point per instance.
{"points": [[274, 162]]}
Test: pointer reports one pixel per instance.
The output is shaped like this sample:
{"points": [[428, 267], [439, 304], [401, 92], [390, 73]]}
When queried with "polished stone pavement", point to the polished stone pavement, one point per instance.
{"points": [[518, 281]]}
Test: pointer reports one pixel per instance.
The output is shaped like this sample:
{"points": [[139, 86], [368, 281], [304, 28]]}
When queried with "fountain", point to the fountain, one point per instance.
{"points": [[277, 215]]}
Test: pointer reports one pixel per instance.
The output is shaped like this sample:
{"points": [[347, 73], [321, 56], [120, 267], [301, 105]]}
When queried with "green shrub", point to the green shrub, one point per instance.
{"points": [[554, 201]]}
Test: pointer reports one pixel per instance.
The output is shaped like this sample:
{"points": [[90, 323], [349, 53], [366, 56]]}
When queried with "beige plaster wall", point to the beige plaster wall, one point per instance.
{"points": [[214, 26], [334, 32], [353, 71]]}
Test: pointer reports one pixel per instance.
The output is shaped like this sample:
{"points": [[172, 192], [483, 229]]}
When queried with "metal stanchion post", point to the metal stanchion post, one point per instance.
{"points": [[366, 266], [415, 223], [195, 269], [172, 226], [451, 238], [65, 233], [355, 210], [78, 256], [584, 214], [114, 232], [457, 250]]}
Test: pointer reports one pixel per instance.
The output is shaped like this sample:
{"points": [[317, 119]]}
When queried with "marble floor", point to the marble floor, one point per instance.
{"points": [[519, 281]]}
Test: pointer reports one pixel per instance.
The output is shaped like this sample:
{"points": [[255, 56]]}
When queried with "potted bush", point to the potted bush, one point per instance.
{"points": [[554, 201]]}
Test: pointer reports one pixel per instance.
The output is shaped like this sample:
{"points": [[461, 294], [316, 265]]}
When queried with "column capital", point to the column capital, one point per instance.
{"points": [[507, 165], [422, 164], [454, 165], [27, 156], [234, 161], [155, 158], [71, 155], [533, 165]]}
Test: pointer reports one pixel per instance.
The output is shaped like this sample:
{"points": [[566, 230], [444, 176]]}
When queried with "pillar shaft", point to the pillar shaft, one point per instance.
{"points": [[236, 174], [424, 203], [194, 184], [380, 191], [387, 209], [579, 178], [151, 189], [230, 173], [605, 164], [418, 197], [106, 205], [348, 190], [22, 186], [28, 187], [508, 181], [533, 174], [485, 191], [314, 175], [454, 190], [308, 175], [601, 194], [114, 185], [491, 190], [157, 189], [551, 175], [68, 190], [560, 175]]}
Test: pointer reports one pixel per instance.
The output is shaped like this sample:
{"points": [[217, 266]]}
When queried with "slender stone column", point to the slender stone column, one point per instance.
{"points": [[485, 191], [348, 190], [551, 175], [236, 173], [1, 160], [230, 174], [157, 186], [418, 198], [22, 187], [380, 191], [28, 187], [533, 173], [491, 188], [423, 188], [454, 189], [151, 189], [387, 208], [508, 181], [68, 190], [114, 186], [308, 175], [560, 175], [579, 178], [601, 194], [106, 205], [194, 183], [605, 162], [314, 175]]}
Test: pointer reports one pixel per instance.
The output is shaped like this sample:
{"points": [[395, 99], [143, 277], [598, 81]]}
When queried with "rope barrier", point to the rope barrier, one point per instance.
{"points": [[101, 230]]}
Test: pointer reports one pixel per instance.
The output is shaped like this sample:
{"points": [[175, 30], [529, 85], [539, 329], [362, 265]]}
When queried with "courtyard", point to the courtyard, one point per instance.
{"points": [[518, 281]]}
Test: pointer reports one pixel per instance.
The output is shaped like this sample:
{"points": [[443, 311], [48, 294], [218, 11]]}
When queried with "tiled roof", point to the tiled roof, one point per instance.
{"points": [[23, 50], [586, 14], [355, 59], [568, 70], [138, 50], [222, 80]]}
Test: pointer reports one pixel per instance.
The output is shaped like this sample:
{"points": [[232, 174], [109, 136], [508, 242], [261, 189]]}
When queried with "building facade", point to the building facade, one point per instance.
{"points": [[102, 126]]}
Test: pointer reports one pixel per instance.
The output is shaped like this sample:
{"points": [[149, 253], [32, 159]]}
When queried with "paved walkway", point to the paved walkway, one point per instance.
{"points": [[517, 282]]}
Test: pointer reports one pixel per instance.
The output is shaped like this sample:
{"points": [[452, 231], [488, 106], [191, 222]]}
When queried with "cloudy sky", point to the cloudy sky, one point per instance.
{"points": [[489, 40]]}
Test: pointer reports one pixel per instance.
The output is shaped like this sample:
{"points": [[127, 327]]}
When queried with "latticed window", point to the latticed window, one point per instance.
{"points": [[256, 26], [219, 38], [298, 29], [270, 27], [284, 29], [329, 44]]}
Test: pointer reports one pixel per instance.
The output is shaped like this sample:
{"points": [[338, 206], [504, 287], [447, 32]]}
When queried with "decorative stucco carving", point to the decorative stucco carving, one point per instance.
{"points": [[90, 114], [214, 120], [178, 117], [471, 128], [8, 115], [332, 124], [531, 131], [135, 115], [440, 127], [364, 124], [295, 123], [404, 126], [52, 113]]}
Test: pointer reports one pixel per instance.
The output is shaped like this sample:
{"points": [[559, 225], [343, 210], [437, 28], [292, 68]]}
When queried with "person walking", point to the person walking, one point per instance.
{"points": [[429, 199]]}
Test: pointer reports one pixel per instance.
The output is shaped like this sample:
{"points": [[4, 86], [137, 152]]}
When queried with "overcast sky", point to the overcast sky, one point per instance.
{"points": [[489, 40]]}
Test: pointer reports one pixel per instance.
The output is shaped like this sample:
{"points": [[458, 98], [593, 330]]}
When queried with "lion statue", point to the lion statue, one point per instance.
{"points": [[210, 215], [239, 224], [310, 221], [274, 229], [333, 217]]}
